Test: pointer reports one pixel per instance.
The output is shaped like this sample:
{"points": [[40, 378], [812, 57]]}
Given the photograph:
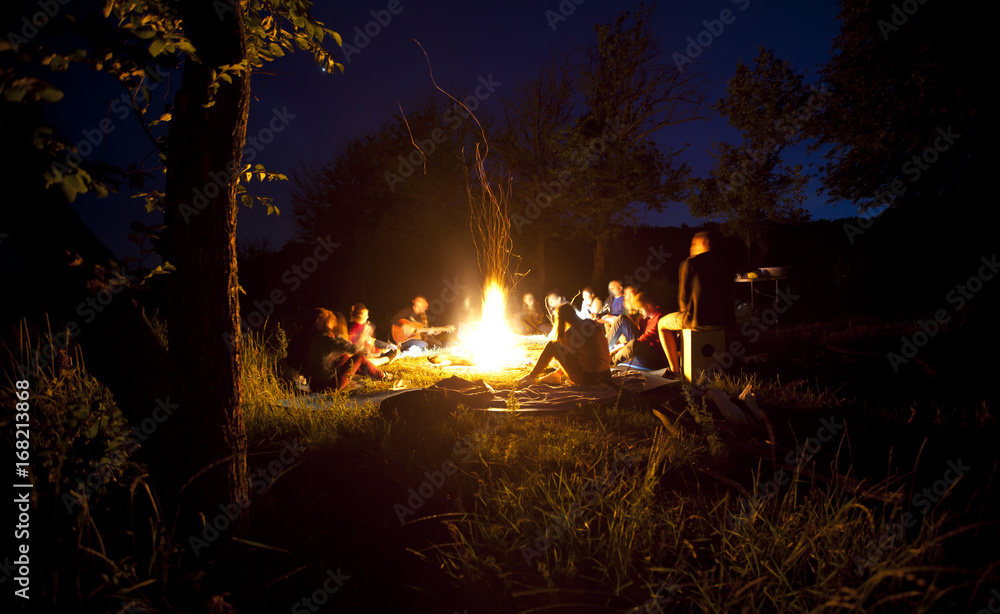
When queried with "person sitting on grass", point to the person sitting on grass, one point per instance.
{"points": [[614, 306], [642, 347], [407, 323], [530, 320], [362, 334], [631, 306], [579, 348], [332, 358], [591, 306], [552, 301]]}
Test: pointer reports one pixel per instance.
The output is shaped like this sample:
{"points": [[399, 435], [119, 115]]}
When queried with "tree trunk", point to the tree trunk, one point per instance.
{"points": [[762, 249], [205, 147], [183, 402], [540, 260], [600, 256]]}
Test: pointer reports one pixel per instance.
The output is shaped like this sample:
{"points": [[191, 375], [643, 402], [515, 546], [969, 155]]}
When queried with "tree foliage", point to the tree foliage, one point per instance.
{"points": [[629, 90], [576, 142], [749, 187], [395, 200], [531, 140], [138, 44], [213, 48], [900, 73]]}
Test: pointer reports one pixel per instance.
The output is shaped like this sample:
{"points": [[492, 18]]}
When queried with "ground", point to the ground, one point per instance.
{"points": [[864, 490]]}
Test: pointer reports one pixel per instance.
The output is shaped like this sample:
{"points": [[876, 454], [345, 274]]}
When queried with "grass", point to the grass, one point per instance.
{"points": [[417, 371], [603, 508], [85, 475]]}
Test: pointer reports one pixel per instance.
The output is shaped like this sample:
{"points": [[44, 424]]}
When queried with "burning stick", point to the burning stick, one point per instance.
{"points": [[492, 345]]}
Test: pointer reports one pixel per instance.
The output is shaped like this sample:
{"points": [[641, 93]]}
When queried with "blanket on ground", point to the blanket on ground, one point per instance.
{"points": [[453, 391]]}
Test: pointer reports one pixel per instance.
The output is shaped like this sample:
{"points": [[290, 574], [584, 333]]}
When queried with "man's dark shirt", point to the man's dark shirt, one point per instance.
{"points": [[326, 353], [614, 305], [706, 291]]}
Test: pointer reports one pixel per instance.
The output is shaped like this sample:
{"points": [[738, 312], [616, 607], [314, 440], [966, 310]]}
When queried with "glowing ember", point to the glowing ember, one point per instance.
{"points": [[492, 345]]}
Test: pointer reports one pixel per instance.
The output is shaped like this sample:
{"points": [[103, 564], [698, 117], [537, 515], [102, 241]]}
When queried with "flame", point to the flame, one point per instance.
{"points": [[492, 345]]}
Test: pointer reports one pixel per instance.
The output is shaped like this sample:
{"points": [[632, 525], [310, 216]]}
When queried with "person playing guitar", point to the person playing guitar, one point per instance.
{"points": [[410, 327]]}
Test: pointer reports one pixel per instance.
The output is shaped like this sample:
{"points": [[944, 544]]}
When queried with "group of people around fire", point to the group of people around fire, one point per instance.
{"points": [[584, 343]]}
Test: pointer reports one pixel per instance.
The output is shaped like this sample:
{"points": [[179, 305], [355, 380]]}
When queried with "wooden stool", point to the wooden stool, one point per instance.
{"points": [[699, 350]]}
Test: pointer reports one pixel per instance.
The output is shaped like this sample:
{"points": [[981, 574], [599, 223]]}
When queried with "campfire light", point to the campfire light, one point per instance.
{"points": [[492, 345]]}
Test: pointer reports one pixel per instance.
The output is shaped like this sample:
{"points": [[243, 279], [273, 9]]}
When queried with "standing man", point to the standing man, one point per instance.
{"points": [[704, 296]]}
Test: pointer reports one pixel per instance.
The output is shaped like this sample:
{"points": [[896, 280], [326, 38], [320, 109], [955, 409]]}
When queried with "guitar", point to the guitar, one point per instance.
{"points": [[404, 330]]}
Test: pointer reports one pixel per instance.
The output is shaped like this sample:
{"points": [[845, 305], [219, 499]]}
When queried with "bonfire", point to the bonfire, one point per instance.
{"points": [[490, 344]]}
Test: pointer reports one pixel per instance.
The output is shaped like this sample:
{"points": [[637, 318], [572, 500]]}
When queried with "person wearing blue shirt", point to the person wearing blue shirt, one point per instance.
{"points": [[614, 306]]}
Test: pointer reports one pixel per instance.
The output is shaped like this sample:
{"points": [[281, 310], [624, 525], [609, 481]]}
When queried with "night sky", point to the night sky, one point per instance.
{"points": [[465, 41]]}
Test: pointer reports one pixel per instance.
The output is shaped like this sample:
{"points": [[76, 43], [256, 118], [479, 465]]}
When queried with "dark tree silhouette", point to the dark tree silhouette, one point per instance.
{"points": [[396, 201], [749, 188], [196, 457], [630, 90], [531, 142], [904, 81]]}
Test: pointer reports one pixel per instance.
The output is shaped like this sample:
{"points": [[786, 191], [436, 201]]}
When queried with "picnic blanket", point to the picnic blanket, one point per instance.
{"points": [[449, 393]]}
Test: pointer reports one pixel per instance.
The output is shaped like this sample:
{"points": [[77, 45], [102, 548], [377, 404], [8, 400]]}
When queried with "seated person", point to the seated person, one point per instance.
{"points": [[531, 321], [579, 348], [470, 310], [591, 306], [614, 306], [642, 347], [293, 366], [362, 334], [552, 301], [408, 324], [704, 296], [332, 358], [631, 307]]}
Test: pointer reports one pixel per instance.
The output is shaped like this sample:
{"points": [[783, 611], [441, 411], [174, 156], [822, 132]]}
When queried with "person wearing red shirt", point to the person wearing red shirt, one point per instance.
{"points": [[332, 359], [362, 334], [642, 346]]}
